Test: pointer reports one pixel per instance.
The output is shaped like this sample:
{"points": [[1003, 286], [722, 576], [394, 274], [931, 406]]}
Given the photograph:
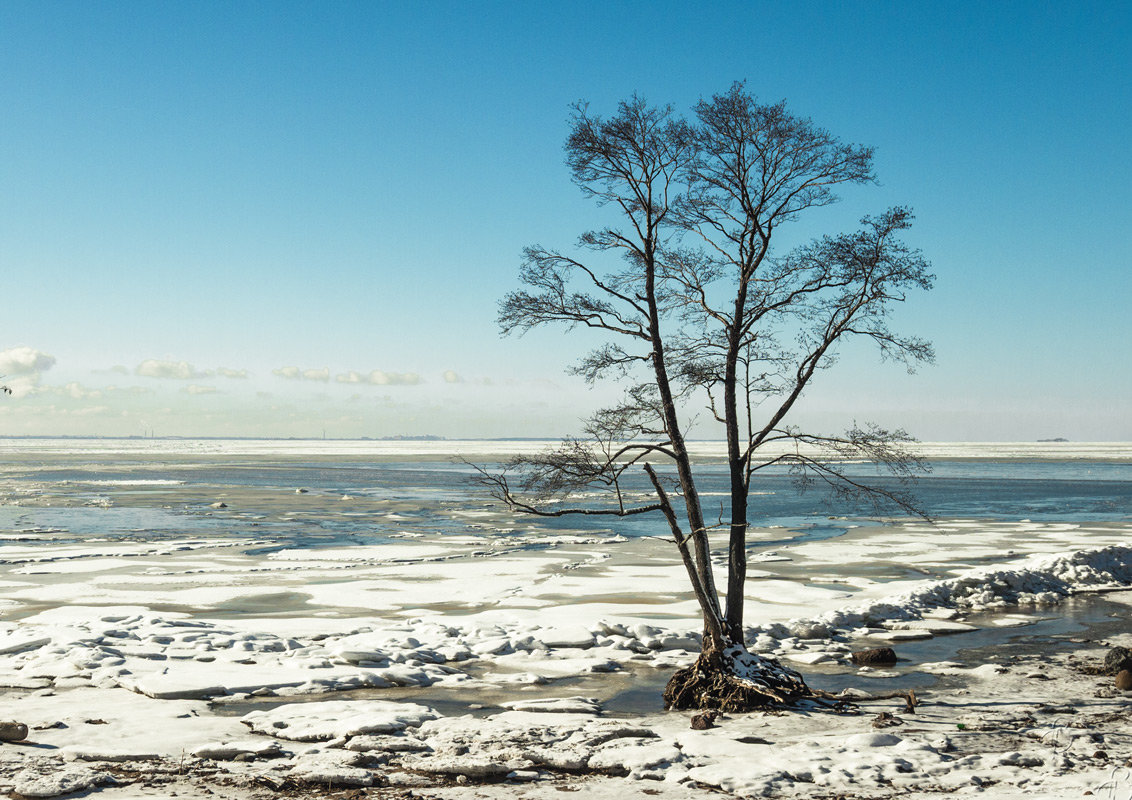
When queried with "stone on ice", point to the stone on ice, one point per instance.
{"points": [[873, 657], [13, 731], [1117, 659]]}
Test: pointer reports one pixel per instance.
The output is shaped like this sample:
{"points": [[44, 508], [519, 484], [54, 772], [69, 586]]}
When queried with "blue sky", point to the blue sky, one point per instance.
{"points": [[201, 190]]}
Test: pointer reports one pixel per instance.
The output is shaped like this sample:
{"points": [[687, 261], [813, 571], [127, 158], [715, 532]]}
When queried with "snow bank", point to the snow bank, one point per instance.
{"points": [[1036, 580]]}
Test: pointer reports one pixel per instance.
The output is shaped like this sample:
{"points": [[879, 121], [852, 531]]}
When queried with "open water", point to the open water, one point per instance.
{"points": [[169, 493]]}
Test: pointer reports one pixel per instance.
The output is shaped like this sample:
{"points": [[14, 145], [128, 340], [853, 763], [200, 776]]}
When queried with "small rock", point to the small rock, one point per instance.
{"points": [[218, 505], [886, 720], [701, 722], [874, 656], [13, 731], [1124, 680], [1117, 660], [49, 726]]}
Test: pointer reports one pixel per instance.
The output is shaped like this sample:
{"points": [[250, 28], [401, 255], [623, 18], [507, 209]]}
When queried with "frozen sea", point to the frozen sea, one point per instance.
{"points": [[393, 529], [316, 494], [179, 591]]}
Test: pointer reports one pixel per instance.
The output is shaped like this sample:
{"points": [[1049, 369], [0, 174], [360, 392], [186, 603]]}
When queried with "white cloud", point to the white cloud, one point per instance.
{"points": [[22, 386], [135, 390], [380, 378], [80, 392], [225, 372], [177, 370], [450, 376], [74, 390], [193, 388], [296, 374], [24, 364], [24, 361]]}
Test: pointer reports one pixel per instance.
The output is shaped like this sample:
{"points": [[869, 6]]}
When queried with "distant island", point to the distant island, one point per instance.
{"points": [[1058, 439]]}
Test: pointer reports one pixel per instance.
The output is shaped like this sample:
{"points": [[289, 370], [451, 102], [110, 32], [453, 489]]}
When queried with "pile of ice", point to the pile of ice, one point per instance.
{"points": [[167, 656], [1036, 580]]}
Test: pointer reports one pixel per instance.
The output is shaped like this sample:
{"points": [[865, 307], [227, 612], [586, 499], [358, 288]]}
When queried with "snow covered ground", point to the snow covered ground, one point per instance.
{"points": [[513, 660]]}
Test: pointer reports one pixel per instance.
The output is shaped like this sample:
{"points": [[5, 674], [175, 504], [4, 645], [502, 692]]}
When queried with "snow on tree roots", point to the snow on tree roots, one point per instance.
{"points": [[735, 680]]}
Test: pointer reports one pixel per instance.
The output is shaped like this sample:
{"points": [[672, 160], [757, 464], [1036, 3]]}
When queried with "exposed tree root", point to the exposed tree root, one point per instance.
{"points": [[735, 680]]}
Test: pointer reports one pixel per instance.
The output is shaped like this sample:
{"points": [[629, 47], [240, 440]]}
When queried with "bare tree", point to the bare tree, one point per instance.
{"points": [[700, 305]]}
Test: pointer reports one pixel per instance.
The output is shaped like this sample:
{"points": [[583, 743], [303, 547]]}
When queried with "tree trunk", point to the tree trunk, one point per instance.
{"points": [[737, 550], [697, 527], [737, 540]]}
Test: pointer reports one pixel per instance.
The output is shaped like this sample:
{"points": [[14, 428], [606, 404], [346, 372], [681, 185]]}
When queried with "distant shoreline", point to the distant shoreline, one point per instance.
{"points": [[494, 449]]}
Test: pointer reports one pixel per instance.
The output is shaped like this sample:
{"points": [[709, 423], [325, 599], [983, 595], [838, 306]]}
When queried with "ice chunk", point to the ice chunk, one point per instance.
{"points": [[335, 719]]}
